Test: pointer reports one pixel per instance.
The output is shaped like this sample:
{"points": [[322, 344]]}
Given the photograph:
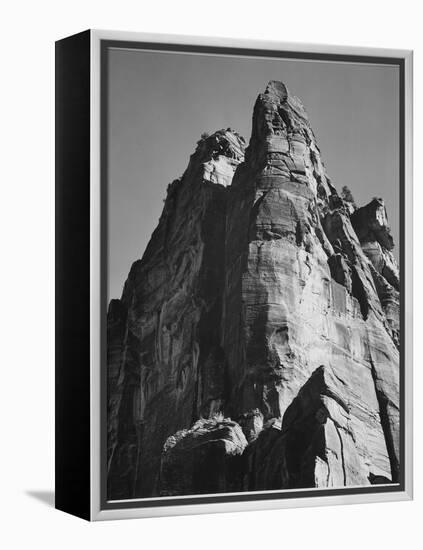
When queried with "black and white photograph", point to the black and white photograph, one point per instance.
{"points": [[254, 265]]}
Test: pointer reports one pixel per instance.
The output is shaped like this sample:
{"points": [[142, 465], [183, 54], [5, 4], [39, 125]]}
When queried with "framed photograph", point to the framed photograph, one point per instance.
{"points": [[234, 275]]}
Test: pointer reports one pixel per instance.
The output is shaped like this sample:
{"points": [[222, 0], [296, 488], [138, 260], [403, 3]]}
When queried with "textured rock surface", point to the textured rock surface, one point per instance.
{"points": [[268, 305], [204, 459], [166, 366], [371, 226]]}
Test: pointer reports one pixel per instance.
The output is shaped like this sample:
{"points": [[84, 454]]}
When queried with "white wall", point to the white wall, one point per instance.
{"points": [[26, 397]]}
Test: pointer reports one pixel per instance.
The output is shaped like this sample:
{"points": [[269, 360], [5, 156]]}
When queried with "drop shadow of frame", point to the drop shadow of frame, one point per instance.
{"points": [[46, 497]]}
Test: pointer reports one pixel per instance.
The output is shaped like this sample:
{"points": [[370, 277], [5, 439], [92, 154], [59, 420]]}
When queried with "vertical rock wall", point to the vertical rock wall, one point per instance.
{"points": [[165, 360]]}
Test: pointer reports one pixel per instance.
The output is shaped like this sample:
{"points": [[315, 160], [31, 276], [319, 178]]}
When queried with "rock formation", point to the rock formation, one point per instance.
{"points": [[256, 343]]}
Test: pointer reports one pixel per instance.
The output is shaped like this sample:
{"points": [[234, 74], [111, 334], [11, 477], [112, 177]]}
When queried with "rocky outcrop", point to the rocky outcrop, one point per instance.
{"points": [[203, 459], [255, 345], [372, 229], [316, 444]]}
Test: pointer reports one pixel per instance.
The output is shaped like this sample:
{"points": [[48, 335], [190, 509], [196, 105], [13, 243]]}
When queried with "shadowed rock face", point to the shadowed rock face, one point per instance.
{"points": [[205, 459], [255, 345], [371, 225], [166, 363]]}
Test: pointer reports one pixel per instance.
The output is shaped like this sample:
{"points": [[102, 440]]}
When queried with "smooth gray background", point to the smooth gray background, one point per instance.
{"points": [[160, 103]]}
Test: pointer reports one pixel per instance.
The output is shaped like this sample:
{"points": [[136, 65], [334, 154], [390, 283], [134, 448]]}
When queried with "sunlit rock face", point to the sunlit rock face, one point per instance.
{"points": [[267, 308]]}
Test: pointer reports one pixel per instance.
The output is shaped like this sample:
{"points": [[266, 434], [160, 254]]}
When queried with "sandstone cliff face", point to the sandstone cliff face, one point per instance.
{"points": [[166, 365], [255, 345]]}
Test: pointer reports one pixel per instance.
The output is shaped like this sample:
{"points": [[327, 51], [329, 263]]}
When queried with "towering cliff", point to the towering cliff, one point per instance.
{"points": [[255, 345]]}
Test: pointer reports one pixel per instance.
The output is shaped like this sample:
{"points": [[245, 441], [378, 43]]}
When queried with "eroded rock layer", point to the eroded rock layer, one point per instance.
{"points": [[256, 343]]}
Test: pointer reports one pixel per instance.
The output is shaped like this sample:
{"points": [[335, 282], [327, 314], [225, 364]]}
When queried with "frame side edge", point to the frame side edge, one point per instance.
{"points": [[408, 262], [72, 384]]}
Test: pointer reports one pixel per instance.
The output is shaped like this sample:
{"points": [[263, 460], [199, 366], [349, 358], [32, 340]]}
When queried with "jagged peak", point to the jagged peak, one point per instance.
{"points": [[277, 113], [278, 96], [277, 89], [370, 222], [226, 142]]}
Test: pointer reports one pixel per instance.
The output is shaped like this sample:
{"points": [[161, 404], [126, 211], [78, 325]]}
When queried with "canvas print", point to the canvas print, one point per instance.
{"points": [[253, 318]]}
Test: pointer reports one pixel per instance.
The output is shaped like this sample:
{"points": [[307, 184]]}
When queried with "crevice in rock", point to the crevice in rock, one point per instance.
{"points": [[385, 423], [299, 233], [341, 442], [252, 232], [285, 117], [359, 292], [340, 271]]}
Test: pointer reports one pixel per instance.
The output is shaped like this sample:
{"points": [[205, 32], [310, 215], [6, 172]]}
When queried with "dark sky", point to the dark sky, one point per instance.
{"points": [[160, 103]]}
